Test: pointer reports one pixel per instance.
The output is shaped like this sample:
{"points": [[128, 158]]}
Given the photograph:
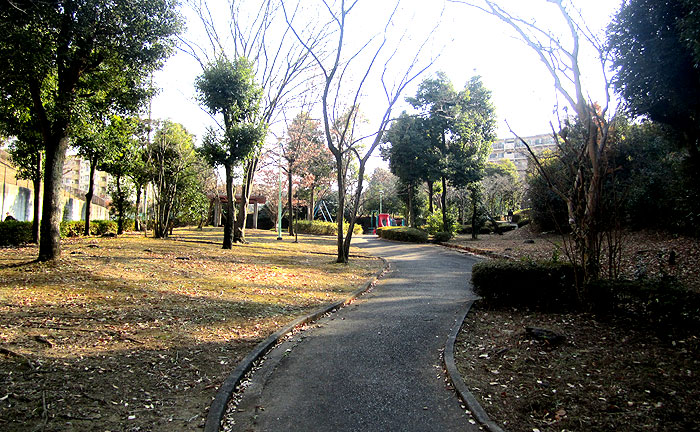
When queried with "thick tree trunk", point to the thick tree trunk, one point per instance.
{"points": [[88, 196], [341, 211], [230, 197], [37, 201], [443, 203], [50, 238], [120, 208], [430, 197], [289, 203], [137, 216], [246, 189]]}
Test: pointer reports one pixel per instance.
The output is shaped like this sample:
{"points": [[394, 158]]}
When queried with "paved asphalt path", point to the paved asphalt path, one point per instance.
{"points": [[374, 365]]}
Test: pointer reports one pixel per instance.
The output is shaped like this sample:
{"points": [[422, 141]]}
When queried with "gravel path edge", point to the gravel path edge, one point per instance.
{"points": [[456, 378], [217, 409]]}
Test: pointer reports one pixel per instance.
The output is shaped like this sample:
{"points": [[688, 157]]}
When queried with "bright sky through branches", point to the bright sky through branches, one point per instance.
{"points": [[470, 43]]}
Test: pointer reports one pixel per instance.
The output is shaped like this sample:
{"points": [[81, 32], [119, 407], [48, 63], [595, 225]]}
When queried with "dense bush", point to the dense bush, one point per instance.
{"points": [[547, 285], [434, 223], [323, 228], [442, 237], [662, 304], [101, 227], [15, 233], [72, 228], [97, 227], [404, 234]]}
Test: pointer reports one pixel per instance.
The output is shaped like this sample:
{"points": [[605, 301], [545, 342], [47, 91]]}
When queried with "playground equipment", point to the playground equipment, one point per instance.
{"points": [[323, 209], [383, 220]]}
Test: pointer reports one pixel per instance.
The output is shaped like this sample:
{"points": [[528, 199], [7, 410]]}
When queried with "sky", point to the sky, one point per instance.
{"points": [[468, 42]]}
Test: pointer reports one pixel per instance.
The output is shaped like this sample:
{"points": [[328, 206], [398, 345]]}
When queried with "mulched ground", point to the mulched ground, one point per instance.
{"points": [[612, 375], [605, 376]]}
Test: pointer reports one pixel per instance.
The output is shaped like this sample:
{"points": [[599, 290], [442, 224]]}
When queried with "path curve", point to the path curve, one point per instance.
{"points": [[374, 365]]}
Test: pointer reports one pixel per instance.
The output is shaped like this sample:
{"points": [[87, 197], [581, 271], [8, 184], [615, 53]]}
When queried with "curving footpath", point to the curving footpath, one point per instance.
{"points": [[374, 365]]}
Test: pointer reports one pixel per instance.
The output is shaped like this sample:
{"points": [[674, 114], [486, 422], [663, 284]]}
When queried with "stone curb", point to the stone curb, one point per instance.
{"points": [[456, 379], [217, 409]]}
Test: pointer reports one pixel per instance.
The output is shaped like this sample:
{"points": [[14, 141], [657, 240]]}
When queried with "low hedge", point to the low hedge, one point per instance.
{"points": [[442, 237], [323, 228], [97, 227], [662, 304], [15, 233], [405, 234], [545, 285]]}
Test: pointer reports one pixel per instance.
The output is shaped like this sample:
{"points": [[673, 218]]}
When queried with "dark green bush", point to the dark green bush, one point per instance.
{"points": [[72, 228], [662, 304], [97, 227], [15, 233], [323, 228], [442, 237], [129, 225], [434, 223], [404, 234], [546, 285], [101, 227]]}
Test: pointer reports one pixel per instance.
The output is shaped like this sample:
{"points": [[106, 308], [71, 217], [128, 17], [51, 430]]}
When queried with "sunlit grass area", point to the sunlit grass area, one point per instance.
{"points": [[159, 322]]}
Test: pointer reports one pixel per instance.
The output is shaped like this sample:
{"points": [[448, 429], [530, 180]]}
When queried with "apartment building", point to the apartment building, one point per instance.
{"points": [[514, 150], [76, 175]]}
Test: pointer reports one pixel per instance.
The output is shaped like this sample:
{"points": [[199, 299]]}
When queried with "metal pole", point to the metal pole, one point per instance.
{"points": [[381, 193], [279, 202]]}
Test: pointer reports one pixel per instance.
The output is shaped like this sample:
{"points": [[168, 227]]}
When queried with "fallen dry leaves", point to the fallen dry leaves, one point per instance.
{"points": [[606, 376], [136, 334]]}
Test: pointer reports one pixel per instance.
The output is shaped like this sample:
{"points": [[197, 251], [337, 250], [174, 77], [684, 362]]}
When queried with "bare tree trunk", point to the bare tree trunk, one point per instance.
{"points": [[50, 239], [312, 204], [289, 201], [411, 212], [342, 258]]}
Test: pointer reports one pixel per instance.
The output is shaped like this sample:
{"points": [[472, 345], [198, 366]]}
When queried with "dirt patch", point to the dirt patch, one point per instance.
{"points": [[136, 334], [605, 376]]}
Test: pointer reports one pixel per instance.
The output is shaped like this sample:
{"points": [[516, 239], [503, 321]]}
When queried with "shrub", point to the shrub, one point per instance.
{"points": [[101, 227], [15, 233], [97, 227], [442, 237], [546, 285], [72, 228], [404, 234], [323, 228], [434, 223], [129, 225]]}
